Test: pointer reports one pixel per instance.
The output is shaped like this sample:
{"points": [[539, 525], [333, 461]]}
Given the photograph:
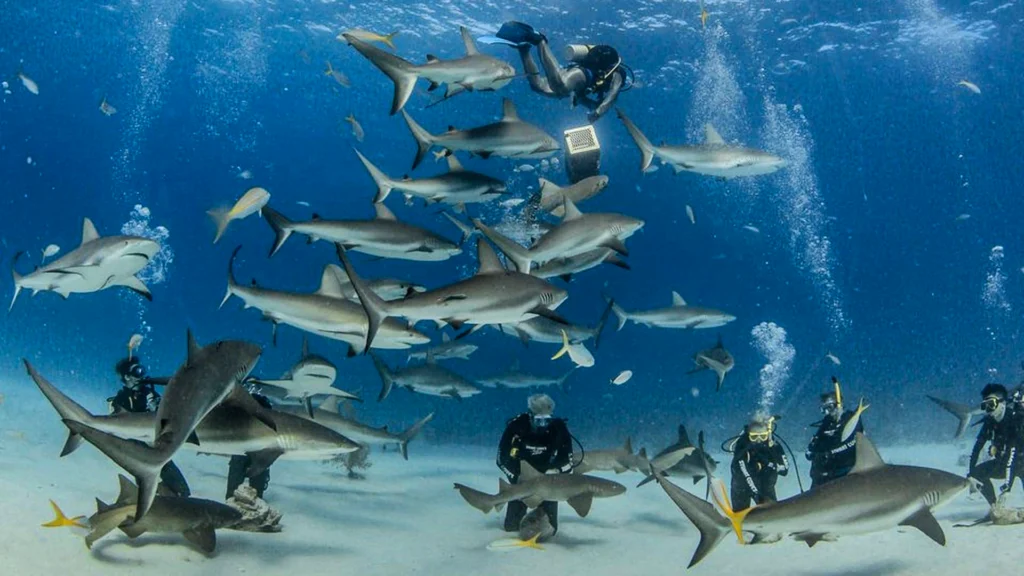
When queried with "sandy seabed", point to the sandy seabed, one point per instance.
{"points": [[405, 518]]}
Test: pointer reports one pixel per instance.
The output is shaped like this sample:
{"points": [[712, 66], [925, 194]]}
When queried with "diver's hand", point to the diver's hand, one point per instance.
{"points": [[1004, 488]]}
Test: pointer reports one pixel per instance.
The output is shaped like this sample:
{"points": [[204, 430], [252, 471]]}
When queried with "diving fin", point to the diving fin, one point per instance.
{"points": [[517, 33]]}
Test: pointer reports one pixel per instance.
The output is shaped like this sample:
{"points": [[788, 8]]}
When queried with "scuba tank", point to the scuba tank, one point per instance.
{"points": [[577, 52]]}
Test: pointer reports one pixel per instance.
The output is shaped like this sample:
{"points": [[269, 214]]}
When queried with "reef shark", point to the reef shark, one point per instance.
{"points": [[618, 460], [717, 359], [474, 71], [509, 137], [696, 464], [551, 196], [514, 378], [448, 349], [874, 496], [678, 315], [428, 378], [548, 331], [313, 375], [712, 158], [533, 488], [457, 187], [386, 288], [963, 412], [98, 263]]}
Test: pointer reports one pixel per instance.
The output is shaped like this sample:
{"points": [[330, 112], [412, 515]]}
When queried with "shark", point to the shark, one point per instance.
{"points": [[565, 268], [457, 187], [448, 349], [616, 460], [714, 157], [696, 464], [326, 312], [492, 296], [99, 262], [327, 414], [196, 519], [509, 137], [533, 488], [551, 196], [386, 288], [514, 378], [473, 72], [577, 234], [211, 374], [717, 359], [428, 378], [384, 236], [963, 412], [874, 496], [547, 331], [678, 315], [313, 375]]}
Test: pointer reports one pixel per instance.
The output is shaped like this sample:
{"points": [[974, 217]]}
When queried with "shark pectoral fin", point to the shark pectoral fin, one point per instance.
{"points": [[616, 245], [260, 460], [202, 537], [533, 501], [193, 439], [697, 479], [71, 444], [924, 521], [132, 529], [581, 504], [132, 283]]}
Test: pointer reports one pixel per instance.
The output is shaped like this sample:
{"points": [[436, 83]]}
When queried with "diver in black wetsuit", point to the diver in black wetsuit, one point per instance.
{"points": [[832, 454], [595, 77], [540, 440], [239, 466], [138, 394], [1003, 430], [757, 463]]}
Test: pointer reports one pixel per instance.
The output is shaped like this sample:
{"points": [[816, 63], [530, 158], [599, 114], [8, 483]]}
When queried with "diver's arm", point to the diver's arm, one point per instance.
{"points": [[538, 83], [505, 457], [781, 461], [563, 451], [609, 97], [978, 445]]}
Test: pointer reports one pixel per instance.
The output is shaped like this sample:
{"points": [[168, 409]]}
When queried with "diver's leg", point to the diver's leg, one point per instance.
{"points": [[260, 482], [551, 509], [514, 514], [740, 495], [236, 473], [984, 473], [563, 82], [172, 477], [538, 83]]}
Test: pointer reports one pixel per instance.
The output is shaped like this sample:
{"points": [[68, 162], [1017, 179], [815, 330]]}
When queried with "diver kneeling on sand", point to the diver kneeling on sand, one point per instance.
{"points": [[242, 467], [542, 441], [757, 462], [137, 394], [1003, 430], [832, 450]]}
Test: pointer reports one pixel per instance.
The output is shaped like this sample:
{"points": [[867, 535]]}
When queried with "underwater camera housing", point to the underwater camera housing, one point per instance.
{"points": [[582, 153]]}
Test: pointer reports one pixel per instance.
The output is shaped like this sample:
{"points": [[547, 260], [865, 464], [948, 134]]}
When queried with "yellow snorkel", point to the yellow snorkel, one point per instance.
{"points": [[839, 394]]}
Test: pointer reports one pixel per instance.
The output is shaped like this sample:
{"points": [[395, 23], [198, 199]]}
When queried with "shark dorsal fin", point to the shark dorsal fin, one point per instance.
{"points": [[571, 211], [431, 59], [527, 472], [867, 455], [684, 438], [487, 258], [467, 39], [712, 137], [329, 405], [508, 111], [193, 347], [445, 337], [383, 213], [454, 165], [628, 446], [128, 492], [89, 232], [330, 284], [677, 300]]}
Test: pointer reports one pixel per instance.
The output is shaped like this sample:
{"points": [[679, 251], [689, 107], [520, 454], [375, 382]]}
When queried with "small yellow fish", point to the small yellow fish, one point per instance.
{"points": [[689, 213], [106, 108], [134, 342], [339, 77], [357, 129], [510, 544], [28, 83], [703, 15], [970, 86], [578, 353], [251, 202], [367, 36], [61, 520]]}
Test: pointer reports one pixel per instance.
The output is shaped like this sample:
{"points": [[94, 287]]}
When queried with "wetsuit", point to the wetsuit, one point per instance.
{"points": [[546, 449], [144, 398], [832, 456], [756, 467], [1006, 439], [238, 467], [594, 85]]}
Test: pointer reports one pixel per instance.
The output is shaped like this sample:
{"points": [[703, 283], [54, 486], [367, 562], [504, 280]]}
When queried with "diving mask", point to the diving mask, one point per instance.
{"points": [[759, 436], [990, 404], [541, 420]]}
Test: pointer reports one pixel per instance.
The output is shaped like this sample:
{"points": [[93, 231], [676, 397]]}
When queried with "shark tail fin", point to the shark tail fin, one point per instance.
{"points": [[517, 254], [377, 310], [424, 139], [281, 226], [67, 408], [17, 281], [646, 148], [387, 379], [721, 379], [137, 458], [407, 436], [550, 194], [400, 71], [736, 518], [480, 500], [232, 284], [600, 324], [221, 217], [466, 230], [963, 413], [383, 182], [620, 314], [712, 526], [61, 520]]}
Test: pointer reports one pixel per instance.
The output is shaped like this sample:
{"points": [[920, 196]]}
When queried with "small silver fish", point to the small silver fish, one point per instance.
{"points": [[106, 108], [357, 129], [622, 378], [50, 250], [833, 358], [752, 228], [970, 86], [689, 213], [339, 77], [28, 83], [962, 217]]}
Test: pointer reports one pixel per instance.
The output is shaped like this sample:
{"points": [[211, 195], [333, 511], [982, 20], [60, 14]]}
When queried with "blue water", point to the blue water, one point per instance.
{"points": [[859, 249]]}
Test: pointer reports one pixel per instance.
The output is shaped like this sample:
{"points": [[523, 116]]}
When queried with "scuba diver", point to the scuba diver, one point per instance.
{"points": [[757, 463], [595, 77], [137, 394], [542, 441], [1002, 430], [832, 450], [239, 466]]}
